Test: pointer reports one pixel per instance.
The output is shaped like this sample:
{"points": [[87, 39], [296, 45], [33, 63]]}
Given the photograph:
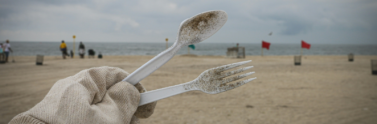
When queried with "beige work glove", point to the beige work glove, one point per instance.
{"points": [[92, 96]]}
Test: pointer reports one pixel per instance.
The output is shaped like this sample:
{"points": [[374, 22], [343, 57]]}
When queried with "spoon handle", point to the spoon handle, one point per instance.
{"points": [[152, 65]]}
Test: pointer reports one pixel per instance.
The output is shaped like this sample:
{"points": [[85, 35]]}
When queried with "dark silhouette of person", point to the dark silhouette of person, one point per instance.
{"points": [[63, 48], [7, 48], [91, 53], [81, 50], [71, 53]]}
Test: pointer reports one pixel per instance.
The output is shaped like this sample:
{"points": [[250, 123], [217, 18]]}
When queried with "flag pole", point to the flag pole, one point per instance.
{"points": [[74, 40], [188, 50], [262, 51], [166, 42], [301, 51]]}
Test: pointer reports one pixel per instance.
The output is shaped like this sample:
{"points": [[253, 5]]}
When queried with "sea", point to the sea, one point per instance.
{"points": [[212, 49]]}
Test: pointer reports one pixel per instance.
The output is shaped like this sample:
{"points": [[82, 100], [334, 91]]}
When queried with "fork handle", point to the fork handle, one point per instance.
{"points": [[162, 93]]}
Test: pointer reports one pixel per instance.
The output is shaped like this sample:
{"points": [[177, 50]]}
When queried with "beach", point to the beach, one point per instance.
{"points": [[323, 90]]}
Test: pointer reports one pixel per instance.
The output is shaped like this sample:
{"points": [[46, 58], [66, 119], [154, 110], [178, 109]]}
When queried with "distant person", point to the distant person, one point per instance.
{"points": [[2, 56], [1, 48], [72, 54], [91, 53], [7, 48], [81, 50], [63, 48]]}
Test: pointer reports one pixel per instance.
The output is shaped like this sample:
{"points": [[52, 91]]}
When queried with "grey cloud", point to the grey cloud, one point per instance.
{"points": [[295, 27], [151, 20], [292, 25]]}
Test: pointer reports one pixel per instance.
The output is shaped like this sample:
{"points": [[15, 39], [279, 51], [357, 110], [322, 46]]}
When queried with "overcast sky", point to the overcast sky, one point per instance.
{"points": [[249, 21]]}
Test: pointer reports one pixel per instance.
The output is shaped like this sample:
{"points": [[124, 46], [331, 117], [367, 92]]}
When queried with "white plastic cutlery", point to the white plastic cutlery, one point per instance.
{"points": [[192, 30], [211, 81]]}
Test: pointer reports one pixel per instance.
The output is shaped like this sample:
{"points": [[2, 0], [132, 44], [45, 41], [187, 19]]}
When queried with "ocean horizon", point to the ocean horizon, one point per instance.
{"points": [[214, 49]]}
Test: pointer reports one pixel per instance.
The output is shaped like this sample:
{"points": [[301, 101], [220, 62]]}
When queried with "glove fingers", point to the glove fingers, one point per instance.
{"points": [[124, 92], [140, 88], [146, 110], [98, 80], [135, 120], [119, 103]]}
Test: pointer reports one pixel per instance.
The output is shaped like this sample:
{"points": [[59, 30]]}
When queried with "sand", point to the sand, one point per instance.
{"points": [[323, 90]]}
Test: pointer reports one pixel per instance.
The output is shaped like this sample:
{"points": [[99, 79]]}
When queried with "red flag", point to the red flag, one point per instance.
{"points": [[266, 45], [305, 45]]}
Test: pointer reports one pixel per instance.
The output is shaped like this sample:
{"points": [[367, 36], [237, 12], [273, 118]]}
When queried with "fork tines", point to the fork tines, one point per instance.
{"points": [[234, 78]]}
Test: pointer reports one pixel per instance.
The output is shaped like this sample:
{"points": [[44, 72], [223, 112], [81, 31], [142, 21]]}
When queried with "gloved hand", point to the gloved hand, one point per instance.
{"points": [[93, 96]]}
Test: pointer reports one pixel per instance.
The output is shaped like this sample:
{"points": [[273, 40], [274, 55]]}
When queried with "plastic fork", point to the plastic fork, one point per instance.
{"points": [[211, 81]]}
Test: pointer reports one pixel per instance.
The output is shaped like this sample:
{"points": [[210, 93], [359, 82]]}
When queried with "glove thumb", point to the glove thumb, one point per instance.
{"points": [[120, 102]]}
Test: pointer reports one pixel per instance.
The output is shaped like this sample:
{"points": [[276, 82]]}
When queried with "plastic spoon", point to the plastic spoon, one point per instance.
{"points": [[192, 30]]}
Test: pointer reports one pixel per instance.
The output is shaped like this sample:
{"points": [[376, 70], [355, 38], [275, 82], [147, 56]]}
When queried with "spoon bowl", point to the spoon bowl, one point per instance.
{"points": [[200, 27]]}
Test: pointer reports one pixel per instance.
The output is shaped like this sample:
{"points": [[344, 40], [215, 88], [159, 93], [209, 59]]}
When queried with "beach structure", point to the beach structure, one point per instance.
{"points": [[350, 57], [374, 67], [39, 60], [297, 60], [236, 52]]}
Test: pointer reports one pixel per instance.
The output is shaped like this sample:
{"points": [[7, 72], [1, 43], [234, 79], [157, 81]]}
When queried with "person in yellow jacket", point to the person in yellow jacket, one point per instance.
{"points": [[63, 48]]}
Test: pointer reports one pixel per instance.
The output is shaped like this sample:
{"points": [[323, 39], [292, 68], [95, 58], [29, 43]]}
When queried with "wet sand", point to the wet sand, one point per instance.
{"points": [[323, 90]]}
